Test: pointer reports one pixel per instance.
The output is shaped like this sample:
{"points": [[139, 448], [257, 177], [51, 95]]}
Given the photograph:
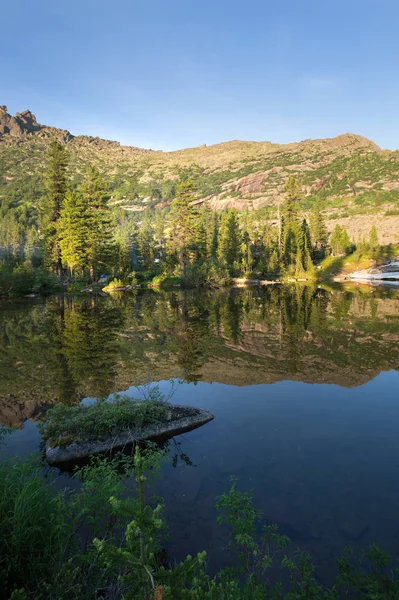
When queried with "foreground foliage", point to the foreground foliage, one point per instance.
{"points": [[101, 542]]}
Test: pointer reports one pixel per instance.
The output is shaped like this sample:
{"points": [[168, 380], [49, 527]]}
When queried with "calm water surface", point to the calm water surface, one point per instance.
{"points": [[303, 382]]}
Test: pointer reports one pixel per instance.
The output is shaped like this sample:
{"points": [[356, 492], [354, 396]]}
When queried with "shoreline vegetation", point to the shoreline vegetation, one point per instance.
{"points": [[85, 243], [96, 541]]}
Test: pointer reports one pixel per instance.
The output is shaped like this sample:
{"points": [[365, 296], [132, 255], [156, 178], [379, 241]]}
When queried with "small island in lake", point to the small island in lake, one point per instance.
{"points": [[75, 432]]}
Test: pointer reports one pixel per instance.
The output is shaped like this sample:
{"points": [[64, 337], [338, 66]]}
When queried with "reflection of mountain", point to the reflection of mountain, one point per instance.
{"points": [[61, 351]]}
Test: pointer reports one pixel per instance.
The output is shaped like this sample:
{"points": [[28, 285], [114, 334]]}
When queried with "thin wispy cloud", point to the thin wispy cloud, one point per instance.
{"points": [[316, 83]]}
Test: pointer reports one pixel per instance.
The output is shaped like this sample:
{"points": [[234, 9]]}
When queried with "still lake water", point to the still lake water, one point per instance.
{"points": [[304, 383]]}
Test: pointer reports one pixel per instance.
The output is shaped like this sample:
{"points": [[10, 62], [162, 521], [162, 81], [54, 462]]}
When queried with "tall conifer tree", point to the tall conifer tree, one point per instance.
{"points": [[72, 232], [318, 229], [229, 238], [290, 227], [56, 189], [183, 223], [100, 240]]}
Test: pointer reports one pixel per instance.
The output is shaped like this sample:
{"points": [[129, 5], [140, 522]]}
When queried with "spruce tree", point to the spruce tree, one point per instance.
{"points": [[229, 238], [145, 242], [213, 235], [247, 257], [374, 242], [183, 223], [72, 232], [56, 189], [100, 243], [340, 242], [305, 246], [318, 229], [335, 240], [290, 227], [345, 242]]}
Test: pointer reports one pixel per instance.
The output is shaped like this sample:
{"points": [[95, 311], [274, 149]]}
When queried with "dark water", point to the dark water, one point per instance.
{"points": [[304, 383]]}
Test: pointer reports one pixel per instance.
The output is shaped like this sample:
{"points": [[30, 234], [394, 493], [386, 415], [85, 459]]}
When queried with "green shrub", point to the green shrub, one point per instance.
{"points": [[101, 419], [114, 285], [46, 282], [5, 278], [165, 279], [44, 553]]}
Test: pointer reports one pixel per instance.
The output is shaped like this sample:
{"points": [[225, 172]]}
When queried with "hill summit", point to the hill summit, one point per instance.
{"points": [[349, 175]]}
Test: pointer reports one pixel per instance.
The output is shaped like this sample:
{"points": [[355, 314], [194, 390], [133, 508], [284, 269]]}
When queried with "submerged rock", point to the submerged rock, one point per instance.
{"points": [[185, 419]]}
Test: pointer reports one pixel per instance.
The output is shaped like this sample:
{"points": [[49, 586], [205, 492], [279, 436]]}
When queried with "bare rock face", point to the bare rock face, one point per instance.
{"points": [[17, 126]]}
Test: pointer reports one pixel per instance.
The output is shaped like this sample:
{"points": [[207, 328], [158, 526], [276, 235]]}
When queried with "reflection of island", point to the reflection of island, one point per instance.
{"points": [[64, 350]]}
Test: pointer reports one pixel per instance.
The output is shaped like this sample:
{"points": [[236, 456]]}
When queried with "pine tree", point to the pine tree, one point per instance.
{"points": [[290, 227], [72, 232], [274, 262], [145, 242], [374, 242], [200, 242], [208, 223], [340, 242], [100, 240], [305, 246], [56, 189], [213, 235], [229, 238], [183, 223], [84, 230], [247, 257], [159, 228], [318, 229], [335, 240], [345, 242]]}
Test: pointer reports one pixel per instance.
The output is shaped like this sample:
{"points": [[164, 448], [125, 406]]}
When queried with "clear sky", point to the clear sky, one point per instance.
{"points": [[168, 74]]}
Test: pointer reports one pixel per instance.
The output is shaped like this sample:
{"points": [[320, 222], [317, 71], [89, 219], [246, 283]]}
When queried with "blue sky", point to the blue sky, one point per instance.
{"points": [[168, 74]]}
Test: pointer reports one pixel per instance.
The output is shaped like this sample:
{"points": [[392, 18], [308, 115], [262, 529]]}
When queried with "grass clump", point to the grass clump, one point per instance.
{"points": [[115, 284], [36, 527], [101, 420]]}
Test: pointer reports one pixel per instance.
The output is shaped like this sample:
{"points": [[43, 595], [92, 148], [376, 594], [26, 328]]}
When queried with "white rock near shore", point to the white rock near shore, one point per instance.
{"points": [[388, 273]]}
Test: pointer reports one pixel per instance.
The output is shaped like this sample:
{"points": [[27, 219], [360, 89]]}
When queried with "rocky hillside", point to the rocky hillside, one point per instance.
{"points": [[351, 176]]}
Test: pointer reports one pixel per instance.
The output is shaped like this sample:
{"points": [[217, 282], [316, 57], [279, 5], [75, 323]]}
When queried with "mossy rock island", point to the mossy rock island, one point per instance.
{"points": [[73, 433]]}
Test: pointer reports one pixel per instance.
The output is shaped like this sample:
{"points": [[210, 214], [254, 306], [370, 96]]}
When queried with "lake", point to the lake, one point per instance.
{"points": [[303, 382]]}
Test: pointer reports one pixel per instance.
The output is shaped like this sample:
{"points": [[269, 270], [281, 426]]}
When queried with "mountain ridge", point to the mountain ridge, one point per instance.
{"points": [[26, 122], [350, 176]]}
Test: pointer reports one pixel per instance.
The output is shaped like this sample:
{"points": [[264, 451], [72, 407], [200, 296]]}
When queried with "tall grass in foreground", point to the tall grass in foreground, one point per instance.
{"points": [[43, 558], [36, 526]]}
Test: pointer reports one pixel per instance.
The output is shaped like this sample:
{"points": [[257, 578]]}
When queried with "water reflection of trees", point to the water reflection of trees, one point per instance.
{"points": [[66, 348]]}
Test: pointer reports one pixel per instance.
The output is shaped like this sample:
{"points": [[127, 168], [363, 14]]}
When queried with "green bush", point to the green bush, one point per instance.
{"points": [[164, 280], [100, 420], [23, 280], [99, 542], [46, 282], [5, 278], [114, 285]]}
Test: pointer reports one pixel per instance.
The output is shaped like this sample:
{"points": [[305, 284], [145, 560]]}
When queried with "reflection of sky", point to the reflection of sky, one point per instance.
{"points": [[322, 460]]}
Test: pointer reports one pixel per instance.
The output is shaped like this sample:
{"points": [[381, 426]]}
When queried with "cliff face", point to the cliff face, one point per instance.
{"points": [[24, 122]]}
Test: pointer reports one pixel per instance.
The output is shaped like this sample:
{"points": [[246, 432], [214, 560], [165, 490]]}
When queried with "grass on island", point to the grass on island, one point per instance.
{"points": [[98, 421]]}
